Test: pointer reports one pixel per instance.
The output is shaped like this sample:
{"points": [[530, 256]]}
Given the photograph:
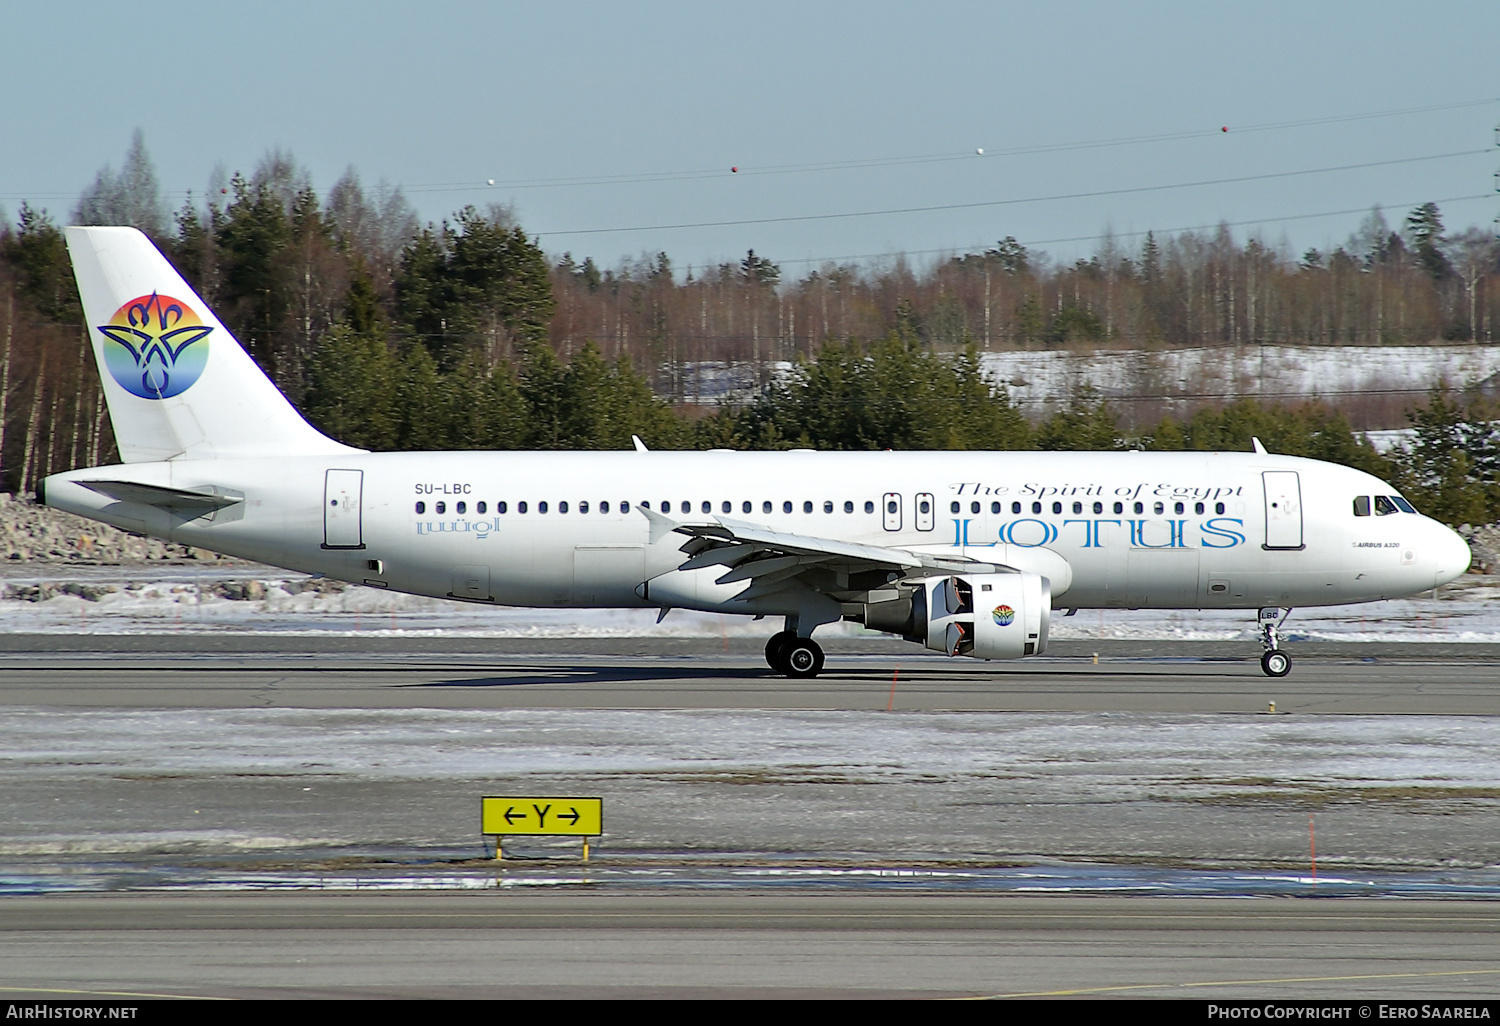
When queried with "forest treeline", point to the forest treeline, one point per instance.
{"points": [[393, 334]]}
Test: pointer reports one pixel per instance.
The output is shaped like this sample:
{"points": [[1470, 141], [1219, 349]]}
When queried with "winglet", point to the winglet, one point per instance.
{"points": [[640, 446], [1258, 447]]}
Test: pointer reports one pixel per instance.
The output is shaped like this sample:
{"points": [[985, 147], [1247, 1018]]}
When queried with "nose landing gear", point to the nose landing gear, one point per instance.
{"points": [[1273, 662]]}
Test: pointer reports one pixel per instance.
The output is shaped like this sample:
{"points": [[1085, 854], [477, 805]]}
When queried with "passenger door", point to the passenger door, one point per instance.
{"points": [[1283, 509], [342, 499]]}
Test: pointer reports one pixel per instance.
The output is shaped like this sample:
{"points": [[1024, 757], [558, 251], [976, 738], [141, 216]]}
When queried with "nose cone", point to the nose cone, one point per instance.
{"points": [[1452, 555]]}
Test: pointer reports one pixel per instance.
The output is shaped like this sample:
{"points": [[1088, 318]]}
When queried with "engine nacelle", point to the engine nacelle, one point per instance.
{"points": [[984, 616]]}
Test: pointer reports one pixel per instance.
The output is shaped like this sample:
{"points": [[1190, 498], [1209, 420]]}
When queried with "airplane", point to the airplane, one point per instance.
{"points": [[966, 553]]}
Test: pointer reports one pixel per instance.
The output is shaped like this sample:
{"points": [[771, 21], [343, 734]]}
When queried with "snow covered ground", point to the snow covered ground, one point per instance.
{"points": [[1047, 377], [1279, 372], [156, 599], [100, 798]]}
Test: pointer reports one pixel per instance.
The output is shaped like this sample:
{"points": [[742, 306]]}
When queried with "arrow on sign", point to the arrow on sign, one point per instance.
{"points": [[571, 816], [511, 815]]}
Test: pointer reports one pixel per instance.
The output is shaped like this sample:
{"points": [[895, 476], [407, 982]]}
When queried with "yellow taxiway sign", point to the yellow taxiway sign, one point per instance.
{"points": [[520, 816]]}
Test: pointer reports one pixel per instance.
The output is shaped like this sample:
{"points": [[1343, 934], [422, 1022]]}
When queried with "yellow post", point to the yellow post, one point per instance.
{"points": [[585, 849], [498, 855]]}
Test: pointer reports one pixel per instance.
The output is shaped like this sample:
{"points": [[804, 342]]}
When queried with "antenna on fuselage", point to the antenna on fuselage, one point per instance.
{"points": [[1258, 447], [640, 446]]}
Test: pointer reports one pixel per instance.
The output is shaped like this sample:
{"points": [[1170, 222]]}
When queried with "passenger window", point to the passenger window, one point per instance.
{"points": [[1119, 507], [765, 507], [521, 507], [1197, 507], [666, 505], [1077, 507], [541, 507], [973, 507], [952, 507], [562, 507], [1159, 508], [706, 507], [604, 506], [890, 507], [1384, 507], [462, 507], [786, 506], [1036, 507], [1177, 508], [727, 507], [806, 506], [500, 507], [482, 506], [687, 507], [1015, 507], [994, 507], [1139, 507], [1098, 507], [1219, 508], [827, 505], [925, 506], [1057, 507], [583, 507], [848, 506], [869, 506], [1361, 505], [624, 506], [421, 507], [442, 507], [745, 506]]}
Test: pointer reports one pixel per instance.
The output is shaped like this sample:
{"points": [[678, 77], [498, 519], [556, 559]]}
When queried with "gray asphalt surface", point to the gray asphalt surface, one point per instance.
{"points": [[547, 933], [186, 671], [510, 945]]}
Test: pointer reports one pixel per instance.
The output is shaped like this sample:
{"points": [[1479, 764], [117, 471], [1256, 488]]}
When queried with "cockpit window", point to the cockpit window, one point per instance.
{"points": [[1405, 506], [1384, 507], [1361, 505]]}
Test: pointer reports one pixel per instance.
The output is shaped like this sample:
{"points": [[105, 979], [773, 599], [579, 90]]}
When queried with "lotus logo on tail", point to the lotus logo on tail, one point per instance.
{"points": [[155, 346]]}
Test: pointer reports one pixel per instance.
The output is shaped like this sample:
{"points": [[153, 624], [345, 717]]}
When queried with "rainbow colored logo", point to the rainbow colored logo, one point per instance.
{"points": [[1004, 615], [155, 346]]}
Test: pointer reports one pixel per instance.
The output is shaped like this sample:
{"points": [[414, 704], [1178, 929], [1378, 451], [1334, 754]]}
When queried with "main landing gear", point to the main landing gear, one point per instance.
{"points": [[796, 657], [1273, 662]]}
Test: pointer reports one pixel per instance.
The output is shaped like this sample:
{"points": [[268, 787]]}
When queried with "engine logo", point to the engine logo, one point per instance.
{"points": [[155, 346], [1004, 615]]}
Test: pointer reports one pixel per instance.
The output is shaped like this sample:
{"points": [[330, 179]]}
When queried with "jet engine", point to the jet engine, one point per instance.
{"points": [[984, 616]]}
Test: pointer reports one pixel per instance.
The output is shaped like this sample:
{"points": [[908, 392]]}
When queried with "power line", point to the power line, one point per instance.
{"points": [[933, 208], [880, 162], [1145, 232], [981, 153]]}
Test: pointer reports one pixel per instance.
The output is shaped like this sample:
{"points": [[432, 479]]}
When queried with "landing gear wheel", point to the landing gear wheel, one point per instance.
{"points": [[1276, 663], [773, 650], [801, 657]]}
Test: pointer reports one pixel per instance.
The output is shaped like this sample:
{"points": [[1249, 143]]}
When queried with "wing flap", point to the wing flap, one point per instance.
{"points": [[770, 559]]}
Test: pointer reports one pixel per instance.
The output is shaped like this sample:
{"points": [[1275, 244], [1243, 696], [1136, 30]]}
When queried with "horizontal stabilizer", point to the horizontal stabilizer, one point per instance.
{"points": [[174, 500]]}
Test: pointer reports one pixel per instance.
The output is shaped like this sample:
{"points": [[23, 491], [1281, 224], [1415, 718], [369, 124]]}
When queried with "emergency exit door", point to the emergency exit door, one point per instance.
{"points": [[890, 507], [342, 527]]}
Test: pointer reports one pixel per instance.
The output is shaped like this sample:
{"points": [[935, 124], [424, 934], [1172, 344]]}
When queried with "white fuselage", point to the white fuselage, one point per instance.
{"points": [[1111, 530]]}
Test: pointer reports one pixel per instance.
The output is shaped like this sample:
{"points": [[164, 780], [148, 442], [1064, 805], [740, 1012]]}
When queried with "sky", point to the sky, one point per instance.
{"points": [[854, 126]]}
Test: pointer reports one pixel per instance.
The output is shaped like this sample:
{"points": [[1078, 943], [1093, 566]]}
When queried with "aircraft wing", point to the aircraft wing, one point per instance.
{"points": [[846, 571]]}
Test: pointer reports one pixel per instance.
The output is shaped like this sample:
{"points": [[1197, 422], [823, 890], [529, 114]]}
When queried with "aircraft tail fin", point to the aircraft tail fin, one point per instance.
{"points": [[178, 384]]}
